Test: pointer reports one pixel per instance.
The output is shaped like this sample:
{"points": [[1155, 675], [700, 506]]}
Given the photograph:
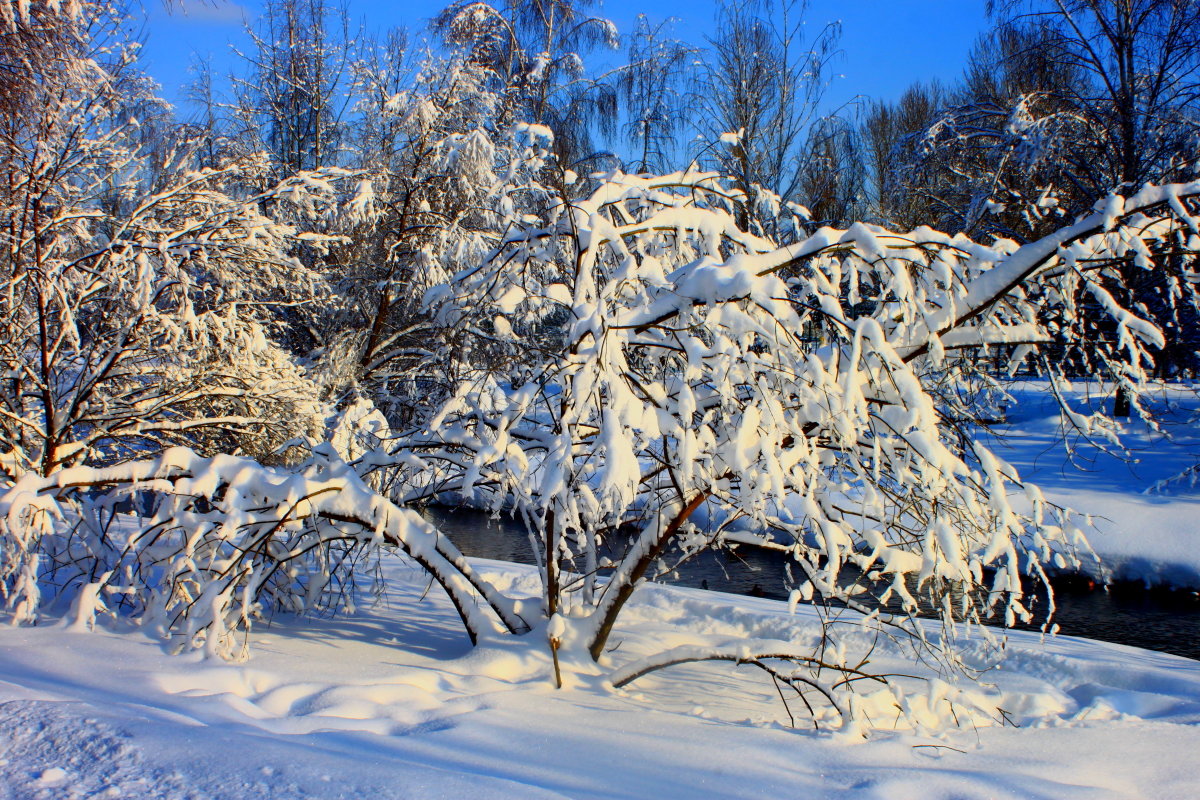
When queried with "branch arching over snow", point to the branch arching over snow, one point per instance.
{"points": [[249, 510]]}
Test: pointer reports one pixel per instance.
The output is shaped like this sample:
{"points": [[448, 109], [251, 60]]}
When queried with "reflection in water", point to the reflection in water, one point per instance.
{"points": [[1165, 621]]}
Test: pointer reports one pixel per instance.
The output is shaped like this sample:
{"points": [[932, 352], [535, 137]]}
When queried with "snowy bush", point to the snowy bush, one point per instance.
{"points": [[223, 541], [707, 379]]}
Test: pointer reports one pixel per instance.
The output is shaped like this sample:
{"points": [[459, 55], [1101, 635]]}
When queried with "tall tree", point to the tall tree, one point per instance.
{"points": [[951, 157], [294, 96], [537, 51], [1141, 96], [1136, 113], [653, 87], [891, 134], [137, 297], [758, 92], [832, 178]]}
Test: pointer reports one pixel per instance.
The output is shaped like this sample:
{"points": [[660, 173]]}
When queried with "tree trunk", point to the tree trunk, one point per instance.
{"points": [[1122, 403]]}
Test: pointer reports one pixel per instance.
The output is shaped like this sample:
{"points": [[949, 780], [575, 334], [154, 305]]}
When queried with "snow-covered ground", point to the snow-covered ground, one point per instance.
{"points": [[391, 702], [1153, 536]]}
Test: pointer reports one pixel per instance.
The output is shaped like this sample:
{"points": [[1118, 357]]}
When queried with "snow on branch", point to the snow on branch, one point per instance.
{"points": [[226, 537], [853, 694]]}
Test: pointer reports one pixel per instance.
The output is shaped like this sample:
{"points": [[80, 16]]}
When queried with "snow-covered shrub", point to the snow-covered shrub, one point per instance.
{"points": [[706, 379], [220, 542]]}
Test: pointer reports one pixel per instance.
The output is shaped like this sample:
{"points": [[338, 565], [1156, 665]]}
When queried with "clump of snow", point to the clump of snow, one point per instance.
{"points": [[54, 776]]}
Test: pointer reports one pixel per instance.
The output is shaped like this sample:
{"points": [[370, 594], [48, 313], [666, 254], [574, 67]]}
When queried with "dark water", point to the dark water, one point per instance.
{"points": [[1168, 621]]}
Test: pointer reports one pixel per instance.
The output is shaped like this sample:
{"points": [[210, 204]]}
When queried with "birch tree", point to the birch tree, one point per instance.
{"points": [[295, 94], [757, 95], [536, 51]]}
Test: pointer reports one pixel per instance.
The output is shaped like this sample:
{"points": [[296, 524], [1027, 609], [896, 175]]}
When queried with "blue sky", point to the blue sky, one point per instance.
{"points": [[887, 44]]}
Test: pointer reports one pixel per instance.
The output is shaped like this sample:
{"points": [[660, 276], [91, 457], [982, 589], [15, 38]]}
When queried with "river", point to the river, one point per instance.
{"points": [[1168, 621]]}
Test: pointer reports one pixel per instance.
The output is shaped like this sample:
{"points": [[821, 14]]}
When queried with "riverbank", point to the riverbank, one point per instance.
{"points": [[1146, 527], [1156, 617]]}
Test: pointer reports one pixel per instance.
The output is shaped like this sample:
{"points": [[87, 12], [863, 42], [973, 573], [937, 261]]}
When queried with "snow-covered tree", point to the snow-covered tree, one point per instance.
{"points": [[756, 96], [294, 96], [653, 88], [635, 375], [434, 153], [137, 305], [1061, 102], [536, 51], [1137, 64], [676, 376]]}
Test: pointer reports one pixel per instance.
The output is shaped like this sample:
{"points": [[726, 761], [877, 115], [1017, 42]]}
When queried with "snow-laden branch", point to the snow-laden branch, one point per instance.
{"points": [[226, 535]]}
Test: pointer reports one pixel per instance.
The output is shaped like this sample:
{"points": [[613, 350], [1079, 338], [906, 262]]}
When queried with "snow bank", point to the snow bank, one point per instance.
{"points": [[392, 702]]}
